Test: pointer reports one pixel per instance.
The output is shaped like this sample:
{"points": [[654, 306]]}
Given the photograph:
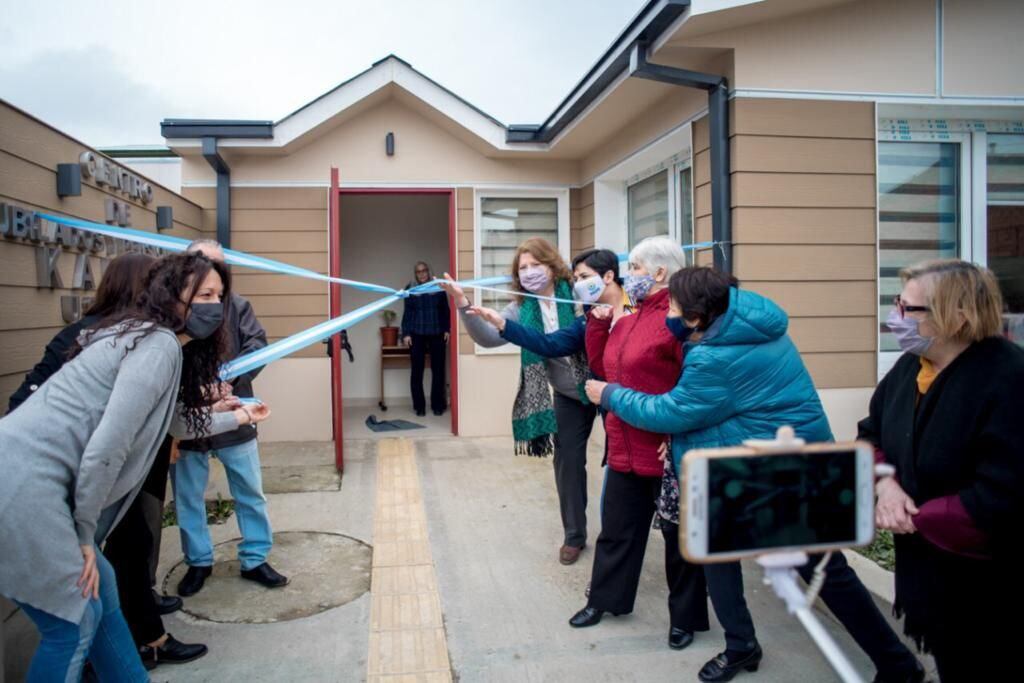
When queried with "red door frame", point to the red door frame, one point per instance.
{"points": [[334, 246]]}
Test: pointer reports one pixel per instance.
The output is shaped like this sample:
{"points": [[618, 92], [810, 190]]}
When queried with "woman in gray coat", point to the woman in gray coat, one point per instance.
{"points": [[77, 451]]}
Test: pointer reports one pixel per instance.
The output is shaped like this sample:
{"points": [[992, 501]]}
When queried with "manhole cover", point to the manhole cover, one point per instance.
{"points": [[326, 571]]}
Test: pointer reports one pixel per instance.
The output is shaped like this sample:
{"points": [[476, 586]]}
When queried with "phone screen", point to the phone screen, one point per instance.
{"points": [[781, 500]]}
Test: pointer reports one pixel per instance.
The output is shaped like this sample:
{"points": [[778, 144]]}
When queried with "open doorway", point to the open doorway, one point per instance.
{"points": [[382, 236]]}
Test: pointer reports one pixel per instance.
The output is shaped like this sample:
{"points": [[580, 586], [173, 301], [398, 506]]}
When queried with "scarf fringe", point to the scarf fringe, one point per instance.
{"points": [[537, 447]]}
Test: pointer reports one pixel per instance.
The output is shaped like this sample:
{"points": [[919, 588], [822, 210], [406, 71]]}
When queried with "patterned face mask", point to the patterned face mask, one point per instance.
{"points": [[638, 286]]}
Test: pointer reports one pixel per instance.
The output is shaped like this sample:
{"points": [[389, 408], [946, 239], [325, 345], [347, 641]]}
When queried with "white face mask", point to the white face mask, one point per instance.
{"points": [[589, 289]]}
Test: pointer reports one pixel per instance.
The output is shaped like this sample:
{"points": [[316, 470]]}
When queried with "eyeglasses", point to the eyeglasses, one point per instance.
{"points": [[903, 309], [421, 270]]}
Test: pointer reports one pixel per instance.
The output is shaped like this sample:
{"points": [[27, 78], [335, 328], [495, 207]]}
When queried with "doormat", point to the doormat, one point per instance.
{"points": [[390, 425]]}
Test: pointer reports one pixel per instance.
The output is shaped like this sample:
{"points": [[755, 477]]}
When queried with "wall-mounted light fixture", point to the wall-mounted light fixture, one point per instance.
{"points": [[389, 144], [69, 180], [164, 218]]}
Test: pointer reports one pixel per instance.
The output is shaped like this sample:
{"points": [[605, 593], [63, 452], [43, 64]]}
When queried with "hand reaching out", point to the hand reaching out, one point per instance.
{"points": [[490, 315]]}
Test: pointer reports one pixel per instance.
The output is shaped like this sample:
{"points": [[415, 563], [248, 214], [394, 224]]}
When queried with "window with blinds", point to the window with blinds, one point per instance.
{"points": [[504, 223], [1005, 229], [648, 208], [918, 214]]}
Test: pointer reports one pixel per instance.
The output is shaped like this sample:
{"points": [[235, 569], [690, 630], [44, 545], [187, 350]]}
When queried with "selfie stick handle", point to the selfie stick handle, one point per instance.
{"points": [[780, 574]]}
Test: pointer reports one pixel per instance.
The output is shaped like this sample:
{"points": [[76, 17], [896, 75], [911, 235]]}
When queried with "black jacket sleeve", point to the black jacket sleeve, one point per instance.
{"points": [[55, 355], [252, 336]]}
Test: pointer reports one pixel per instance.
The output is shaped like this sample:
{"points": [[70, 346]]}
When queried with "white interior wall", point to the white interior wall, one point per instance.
{"points": [[382, 237]]}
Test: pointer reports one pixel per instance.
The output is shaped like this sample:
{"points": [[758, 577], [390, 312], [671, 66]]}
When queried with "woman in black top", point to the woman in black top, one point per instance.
{"points": [[425, 328], [950, 419]]}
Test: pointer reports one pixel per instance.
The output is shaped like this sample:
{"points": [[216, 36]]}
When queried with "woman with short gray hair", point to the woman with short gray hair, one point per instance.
{"points": [[638, 351]]}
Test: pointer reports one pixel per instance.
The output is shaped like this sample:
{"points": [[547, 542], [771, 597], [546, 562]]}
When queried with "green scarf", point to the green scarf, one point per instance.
{"points": [[533, 414]]}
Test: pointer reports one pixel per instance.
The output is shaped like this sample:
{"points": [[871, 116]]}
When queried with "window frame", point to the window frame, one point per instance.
{"points": [[673, 167], [513, 192]]}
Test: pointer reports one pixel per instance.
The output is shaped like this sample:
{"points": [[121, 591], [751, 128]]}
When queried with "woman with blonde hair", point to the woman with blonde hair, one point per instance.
{"points": [[542, 426], [949, 418]]}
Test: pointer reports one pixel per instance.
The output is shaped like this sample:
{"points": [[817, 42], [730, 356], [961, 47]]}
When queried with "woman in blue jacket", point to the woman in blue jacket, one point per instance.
{"points": [[742, 379]]}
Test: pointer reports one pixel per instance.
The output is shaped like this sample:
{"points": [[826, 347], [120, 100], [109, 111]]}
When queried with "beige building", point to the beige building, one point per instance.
{"points": [[824, 143]]}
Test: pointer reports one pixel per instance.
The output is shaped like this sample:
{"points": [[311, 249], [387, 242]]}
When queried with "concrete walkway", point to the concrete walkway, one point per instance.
{"points": [[491, 561]]}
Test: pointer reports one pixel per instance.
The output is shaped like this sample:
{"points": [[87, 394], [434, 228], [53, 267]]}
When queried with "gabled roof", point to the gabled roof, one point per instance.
{"points": [[385, 75]]}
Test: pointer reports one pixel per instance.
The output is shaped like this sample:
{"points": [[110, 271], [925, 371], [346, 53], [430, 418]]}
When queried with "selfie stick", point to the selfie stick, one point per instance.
{"points": [[780, 574]]}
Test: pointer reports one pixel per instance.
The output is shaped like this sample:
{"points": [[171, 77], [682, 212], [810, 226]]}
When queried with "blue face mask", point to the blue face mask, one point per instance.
{"points": [[638, 286], [680, 329]]}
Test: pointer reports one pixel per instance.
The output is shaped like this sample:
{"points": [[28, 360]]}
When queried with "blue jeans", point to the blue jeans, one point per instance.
{"points": [[102, 637], [189, 477]]}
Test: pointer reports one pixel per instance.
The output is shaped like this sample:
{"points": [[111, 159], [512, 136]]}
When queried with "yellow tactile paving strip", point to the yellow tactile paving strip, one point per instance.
{"points": [[407, 639]]}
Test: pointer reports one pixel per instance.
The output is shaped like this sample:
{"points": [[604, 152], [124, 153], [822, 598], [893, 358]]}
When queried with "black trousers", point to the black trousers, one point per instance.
{"points": [[133, 549], [435, 346], [853, 606], [629, 506], [575, 421]]}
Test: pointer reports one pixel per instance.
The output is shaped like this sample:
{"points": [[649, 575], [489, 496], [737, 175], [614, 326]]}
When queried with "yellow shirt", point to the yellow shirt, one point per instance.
{"points": [[926, 376]]}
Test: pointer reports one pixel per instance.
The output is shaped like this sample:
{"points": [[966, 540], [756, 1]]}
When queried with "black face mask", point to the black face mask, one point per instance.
{"points": [[204, 320]]}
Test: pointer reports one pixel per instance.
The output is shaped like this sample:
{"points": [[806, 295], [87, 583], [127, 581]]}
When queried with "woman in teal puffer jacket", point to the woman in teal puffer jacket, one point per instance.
{"points": [[743, 378]]}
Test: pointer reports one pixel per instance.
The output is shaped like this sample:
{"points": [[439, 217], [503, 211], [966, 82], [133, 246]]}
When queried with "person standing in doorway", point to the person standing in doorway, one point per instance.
{"points": [[426, 325], [238, 452]]}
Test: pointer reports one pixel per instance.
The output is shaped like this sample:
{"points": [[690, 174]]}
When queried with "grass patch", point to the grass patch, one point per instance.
{"points": [[217, 512], [881, 550]]}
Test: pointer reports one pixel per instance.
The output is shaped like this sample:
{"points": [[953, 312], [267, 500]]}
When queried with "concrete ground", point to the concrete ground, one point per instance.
{"points": [[494, 532]]}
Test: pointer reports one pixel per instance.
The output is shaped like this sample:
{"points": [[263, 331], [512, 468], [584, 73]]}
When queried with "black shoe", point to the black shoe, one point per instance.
{"points": [[421, 413], [167, 604], [588, 616], [726, 665], [265, 575], [171, 652], [439, 413], [194, 579], [678, 638], [914, 676]]}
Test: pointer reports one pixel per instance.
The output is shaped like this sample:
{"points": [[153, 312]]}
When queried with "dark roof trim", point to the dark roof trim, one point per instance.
{"points": [[646, 26], [218, 128], [138, 152]]}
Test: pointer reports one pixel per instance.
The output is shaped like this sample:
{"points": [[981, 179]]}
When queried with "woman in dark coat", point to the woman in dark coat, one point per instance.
{"points": [[950, 419]]}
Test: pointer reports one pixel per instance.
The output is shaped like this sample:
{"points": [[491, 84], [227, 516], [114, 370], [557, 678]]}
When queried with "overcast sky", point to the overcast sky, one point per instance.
{"points": [[109, 72]]}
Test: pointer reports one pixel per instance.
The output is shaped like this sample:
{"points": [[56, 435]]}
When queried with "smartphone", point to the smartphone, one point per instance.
{"points": [[741, 502]]}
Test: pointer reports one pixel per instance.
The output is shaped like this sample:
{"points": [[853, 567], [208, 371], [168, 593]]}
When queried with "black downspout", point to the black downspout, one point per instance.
{"points": [[717, 88], [220, 166]]}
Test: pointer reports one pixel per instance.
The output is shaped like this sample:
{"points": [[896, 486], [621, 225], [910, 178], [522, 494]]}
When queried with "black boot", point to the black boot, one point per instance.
{"points": [[725, 666], [679, 638], [265, 575], [194, 579], [171, 652]]}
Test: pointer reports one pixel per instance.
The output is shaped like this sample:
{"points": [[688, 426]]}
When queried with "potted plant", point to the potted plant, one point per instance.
{"points": [[389, 333]]}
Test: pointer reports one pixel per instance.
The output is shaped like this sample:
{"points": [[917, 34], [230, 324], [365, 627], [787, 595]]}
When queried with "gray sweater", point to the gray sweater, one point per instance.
{"points": [[81, 444], [487, 335]]}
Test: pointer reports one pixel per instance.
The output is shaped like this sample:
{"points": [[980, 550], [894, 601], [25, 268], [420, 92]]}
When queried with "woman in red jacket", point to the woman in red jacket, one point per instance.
{"points": [[639, 352]]}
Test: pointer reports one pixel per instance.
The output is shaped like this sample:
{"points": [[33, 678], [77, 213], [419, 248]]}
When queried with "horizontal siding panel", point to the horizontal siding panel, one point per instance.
{"points": [[315, 261], [819, 299], [574, 219], [701, 168], [289, 304], [464, 219], [278, 326], [702, 228], [466, 261], [803, 226], [259, 220], [803, 190], [252, 283], [586, 195], [23, 348], [701, 135], [465, 240], [464, 198], [19, 264], [841, 370], [802, 155], [278, 198], [803, 118], [804, 262], [317, 350], [832, 334], [587, 238], [26, 308], [587, 216], [283, 242], [702, 201]]}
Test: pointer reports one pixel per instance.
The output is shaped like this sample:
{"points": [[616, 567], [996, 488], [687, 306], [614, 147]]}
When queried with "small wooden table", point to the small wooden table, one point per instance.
{"points": [[395, 357]]}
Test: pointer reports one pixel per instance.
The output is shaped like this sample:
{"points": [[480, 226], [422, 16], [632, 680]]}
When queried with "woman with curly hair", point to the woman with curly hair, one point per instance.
{"points": [[75, 454]]}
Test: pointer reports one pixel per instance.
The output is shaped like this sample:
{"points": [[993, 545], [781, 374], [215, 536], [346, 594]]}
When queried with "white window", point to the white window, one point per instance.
{"points": [[661, 203], [504, 219], [950, 189]]}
